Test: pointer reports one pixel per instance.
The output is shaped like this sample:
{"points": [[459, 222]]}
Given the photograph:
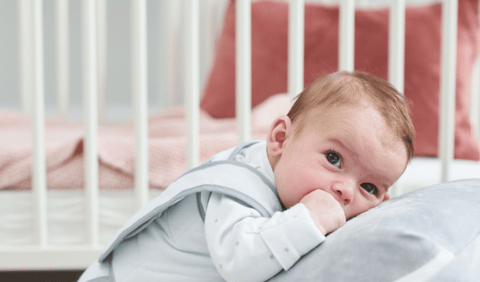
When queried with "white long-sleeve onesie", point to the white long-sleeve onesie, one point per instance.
{"points": [[245, 246], [234, 242]]}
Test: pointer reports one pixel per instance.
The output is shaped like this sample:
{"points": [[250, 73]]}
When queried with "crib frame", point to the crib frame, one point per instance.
{"points": [[45, 256]]}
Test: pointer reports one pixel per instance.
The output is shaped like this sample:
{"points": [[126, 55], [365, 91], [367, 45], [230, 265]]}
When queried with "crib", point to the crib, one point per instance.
{"points": [[45, 226]]}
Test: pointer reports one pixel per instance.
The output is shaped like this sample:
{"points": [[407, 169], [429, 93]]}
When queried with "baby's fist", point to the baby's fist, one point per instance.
{"points": [[326, 212]]}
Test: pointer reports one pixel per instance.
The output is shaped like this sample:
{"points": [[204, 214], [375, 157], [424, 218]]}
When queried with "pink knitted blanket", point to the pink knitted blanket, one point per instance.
{"points": [[116, 152]]}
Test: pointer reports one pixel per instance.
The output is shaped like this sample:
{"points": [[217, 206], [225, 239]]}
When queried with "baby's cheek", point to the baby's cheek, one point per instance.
{"points": [[284, 193]]}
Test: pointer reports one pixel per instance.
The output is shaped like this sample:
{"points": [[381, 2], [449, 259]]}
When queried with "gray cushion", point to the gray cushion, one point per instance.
{"points": [[431, 234]]}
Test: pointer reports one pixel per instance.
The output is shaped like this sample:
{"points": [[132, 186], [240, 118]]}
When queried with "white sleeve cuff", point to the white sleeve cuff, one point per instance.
{"points": [[294, 235]]}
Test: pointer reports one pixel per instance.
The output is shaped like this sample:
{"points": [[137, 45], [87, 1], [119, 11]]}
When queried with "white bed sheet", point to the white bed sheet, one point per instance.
{"points": [[423, 172], [66, 215]]}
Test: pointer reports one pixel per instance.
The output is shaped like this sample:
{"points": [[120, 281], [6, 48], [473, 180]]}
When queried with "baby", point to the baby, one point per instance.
{"points": [[251, 211]]}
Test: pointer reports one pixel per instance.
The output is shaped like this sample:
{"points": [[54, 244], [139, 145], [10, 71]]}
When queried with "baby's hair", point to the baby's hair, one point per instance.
{"points": [[354, 89]]}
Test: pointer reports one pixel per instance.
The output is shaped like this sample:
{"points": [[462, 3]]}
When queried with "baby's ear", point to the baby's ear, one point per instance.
{"points": [[278, 134]]}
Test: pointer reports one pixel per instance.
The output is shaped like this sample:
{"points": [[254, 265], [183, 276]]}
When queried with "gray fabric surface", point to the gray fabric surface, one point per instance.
{"points": [[433, 233]]}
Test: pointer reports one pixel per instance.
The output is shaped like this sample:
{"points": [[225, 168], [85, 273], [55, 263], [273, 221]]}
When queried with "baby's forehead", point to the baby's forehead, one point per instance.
{"points": [[363, 113], [358, 127]]}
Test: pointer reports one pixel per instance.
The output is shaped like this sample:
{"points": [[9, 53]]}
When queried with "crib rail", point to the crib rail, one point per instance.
{"points": [[62, 64], [140, 98], [243, 71], [447, 86], [39, 159], [43, 255], [192, 92], [90, 117], [296, 25], [346, 37]]}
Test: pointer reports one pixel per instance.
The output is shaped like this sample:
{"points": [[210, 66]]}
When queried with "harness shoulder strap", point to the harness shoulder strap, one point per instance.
{"points": [[233, 178]]}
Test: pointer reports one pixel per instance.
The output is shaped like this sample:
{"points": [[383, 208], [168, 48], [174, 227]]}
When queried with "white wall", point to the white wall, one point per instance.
{"points": [[117, 84]]}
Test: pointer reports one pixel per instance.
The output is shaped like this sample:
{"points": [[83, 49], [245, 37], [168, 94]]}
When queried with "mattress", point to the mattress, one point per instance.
{"points": [[66, 215]]}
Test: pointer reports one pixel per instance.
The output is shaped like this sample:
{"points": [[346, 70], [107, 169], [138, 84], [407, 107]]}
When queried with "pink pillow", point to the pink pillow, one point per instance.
{"points": [[422, 61]]}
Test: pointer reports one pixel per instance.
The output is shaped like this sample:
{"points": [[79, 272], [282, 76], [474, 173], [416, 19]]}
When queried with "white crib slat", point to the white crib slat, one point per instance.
{"points": [[140, 98], [101, 56], [243, 69], [192, 95], [90, 117], [62, 60], [296, 23], [396, 44], [396, 58], [172, 16], [208, 17], [26, 54], [346, 37], [38, 122], [448, 85]]}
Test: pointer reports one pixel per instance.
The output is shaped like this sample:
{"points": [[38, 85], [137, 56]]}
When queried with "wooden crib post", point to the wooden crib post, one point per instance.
{"points": [[140, 99], [296, 42], [62, 57], [26, 54], [346, 36], [192, 69], [38, 126], [90, 90], [446, 138], [243, 71]]}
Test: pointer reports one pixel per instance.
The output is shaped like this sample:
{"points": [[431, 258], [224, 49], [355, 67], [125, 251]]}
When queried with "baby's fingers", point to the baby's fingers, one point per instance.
{"points": [[325, 211]]}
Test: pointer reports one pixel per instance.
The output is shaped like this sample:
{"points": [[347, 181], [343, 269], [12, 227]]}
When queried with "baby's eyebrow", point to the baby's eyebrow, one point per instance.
{"points": [[344, 146], [338, 142]]}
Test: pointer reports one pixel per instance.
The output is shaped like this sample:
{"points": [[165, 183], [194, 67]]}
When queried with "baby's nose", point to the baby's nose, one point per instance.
{"points": [[345, 190]]}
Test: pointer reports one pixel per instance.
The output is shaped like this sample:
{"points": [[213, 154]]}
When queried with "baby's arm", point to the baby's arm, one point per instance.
{"points": [[248, 247]]}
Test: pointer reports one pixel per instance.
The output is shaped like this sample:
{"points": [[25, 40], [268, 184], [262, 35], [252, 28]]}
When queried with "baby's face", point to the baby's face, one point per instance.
{"points": [[347, 152]]}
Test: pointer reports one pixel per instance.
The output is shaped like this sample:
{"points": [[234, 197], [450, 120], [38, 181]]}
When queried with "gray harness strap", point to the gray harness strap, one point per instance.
{"points": [[225, 176], [236, 151]]}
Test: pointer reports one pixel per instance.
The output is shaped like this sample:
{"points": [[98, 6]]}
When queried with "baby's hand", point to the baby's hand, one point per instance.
{"points": [[326, 212]]}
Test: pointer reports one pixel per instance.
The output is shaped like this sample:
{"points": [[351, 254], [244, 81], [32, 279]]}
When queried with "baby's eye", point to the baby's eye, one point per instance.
{"points": [[333, 158], [370, 188]]}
